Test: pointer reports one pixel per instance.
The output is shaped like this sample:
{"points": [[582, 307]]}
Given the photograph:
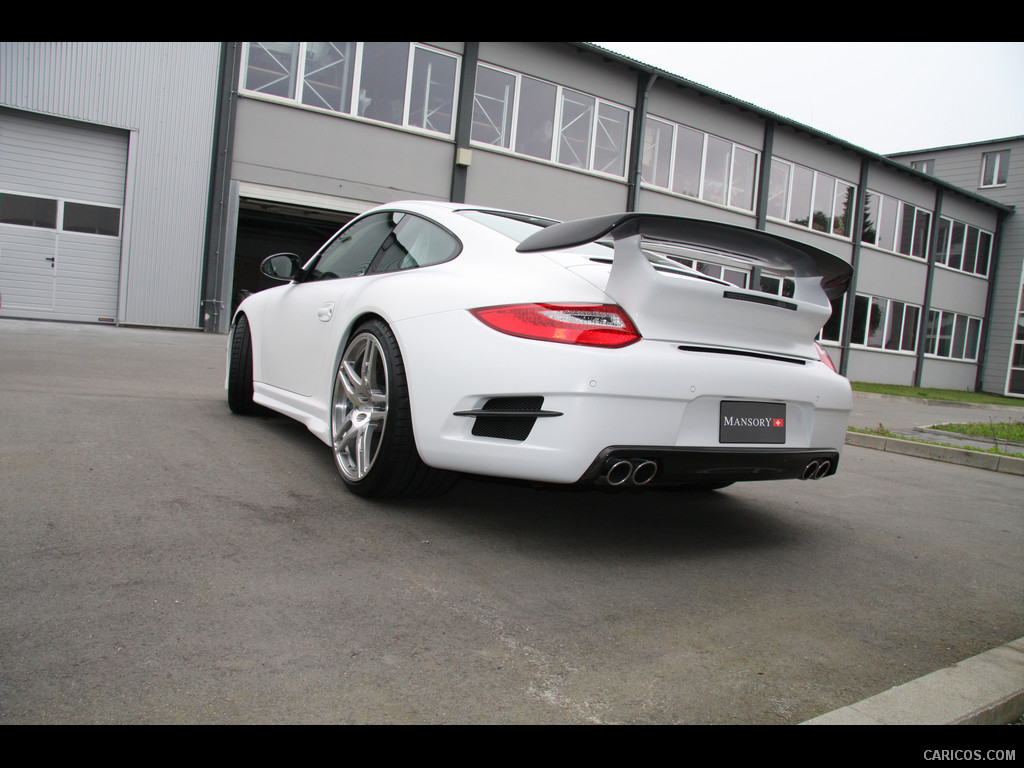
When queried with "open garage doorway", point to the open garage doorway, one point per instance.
{"points": [[265, 228]]}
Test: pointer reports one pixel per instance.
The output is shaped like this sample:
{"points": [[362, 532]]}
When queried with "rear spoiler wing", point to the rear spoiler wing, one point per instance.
{"points": [[753, 246]]}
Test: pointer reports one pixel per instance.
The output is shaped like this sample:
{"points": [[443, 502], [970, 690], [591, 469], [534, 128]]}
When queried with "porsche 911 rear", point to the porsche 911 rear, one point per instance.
{"points": [[674, 379]]}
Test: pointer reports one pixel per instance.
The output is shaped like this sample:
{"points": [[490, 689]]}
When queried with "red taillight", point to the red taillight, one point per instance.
{"points": [[824, 357], [594, 325]]}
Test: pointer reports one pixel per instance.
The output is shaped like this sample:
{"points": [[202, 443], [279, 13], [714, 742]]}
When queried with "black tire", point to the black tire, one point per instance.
{"points": [[371, 421], [240, 371]]}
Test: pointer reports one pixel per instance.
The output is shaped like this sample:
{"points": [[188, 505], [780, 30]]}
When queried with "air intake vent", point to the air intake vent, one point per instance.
{"points": [[508, 418]]}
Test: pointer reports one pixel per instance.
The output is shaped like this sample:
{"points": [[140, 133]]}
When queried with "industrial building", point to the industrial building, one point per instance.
{"points": [[142, 183]]}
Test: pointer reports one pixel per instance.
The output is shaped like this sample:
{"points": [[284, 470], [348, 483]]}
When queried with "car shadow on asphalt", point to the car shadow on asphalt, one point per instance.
{"points": [[647, 520]]}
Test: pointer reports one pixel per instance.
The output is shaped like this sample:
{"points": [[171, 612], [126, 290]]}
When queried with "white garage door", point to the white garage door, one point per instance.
{"points": [[61, 199]]}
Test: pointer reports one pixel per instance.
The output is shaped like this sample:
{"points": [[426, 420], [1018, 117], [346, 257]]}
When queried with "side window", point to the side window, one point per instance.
{"points": [[351, 252], [416, 243]]}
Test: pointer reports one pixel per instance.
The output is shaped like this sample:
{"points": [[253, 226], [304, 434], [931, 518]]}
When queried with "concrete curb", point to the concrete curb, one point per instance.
{"points": [[987, 689], [992, 461], [946, 403]]}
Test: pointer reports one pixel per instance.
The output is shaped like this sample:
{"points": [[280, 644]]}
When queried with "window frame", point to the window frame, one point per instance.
{"points": [[356, 105], [728, 186], [893, 215], [946, 257], [999, 162], [380, 262], [906, 332], [940, 344], [60, 207], [555, 117], [811, 184]]}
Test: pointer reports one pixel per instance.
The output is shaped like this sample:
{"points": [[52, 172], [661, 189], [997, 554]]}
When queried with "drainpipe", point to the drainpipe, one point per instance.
{"points": [[217, 272], [926, 304], [643, 89], [851, 292], [993, 263], [464, 123]]}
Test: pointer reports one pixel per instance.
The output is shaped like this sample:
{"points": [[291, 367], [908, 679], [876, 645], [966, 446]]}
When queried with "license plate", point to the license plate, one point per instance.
{"points": [[744, 422]]}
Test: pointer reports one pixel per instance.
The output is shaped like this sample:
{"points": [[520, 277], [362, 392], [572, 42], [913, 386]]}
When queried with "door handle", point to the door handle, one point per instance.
{"points": [[325, 311]]}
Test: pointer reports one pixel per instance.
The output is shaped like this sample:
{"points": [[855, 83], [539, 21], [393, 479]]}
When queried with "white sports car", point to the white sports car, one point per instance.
{"points": [[429, 339]]}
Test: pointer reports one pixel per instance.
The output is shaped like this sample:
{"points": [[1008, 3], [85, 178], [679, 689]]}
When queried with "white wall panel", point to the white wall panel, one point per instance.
{"points": [[164, 95]]}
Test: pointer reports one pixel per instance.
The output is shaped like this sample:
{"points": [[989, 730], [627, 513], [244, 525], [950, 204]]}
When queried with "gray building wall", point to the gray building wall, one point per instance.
{"points": [[280, 150], [962, 165], [164, 95], [357, 162]]}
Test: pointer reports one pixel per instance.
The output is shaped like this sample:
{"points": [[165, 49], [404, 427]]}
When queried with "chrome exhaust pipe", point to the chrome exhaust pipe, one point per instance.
{"points": [[810, 471], [823, 469], [618, 473], [644, 472]]}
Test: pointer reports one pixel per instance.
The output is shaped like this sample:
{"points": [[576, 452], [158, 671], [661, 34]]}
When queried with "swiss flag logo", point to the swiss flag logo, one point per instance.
{"points": [[778, 422]]}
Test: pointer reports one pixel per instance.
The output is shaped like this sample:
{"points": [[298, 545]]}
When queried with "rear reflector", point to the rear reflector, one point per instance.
{"points": [[824, 357], [594, 325]]}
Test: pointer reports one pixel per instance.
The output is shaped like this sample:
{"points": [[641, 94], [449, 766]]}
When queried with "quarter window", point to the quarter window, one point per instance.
{"points": [[384, 242], [352, 251]]}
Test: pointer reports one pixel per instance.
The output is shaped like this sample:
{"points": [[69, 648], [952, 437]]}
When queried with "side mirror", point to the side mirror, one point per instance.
{"points": [[282, 266]]}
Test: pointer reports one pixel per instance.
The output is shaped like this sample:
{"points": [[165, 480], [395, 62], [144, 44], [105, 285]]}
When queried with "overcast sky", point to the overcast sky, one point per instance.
{"points": [[884, 97]]}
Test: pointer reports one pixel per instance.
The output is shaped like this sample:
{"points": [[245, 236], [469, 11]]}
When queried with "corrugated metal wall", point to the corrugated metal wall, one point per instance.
{"points": [[164, 93]]}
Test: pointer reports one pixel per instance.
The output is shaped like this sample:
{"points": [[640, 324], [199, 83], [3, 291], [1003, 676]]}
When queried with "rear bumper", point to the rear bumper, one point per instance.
{"points": [[580, 405]]}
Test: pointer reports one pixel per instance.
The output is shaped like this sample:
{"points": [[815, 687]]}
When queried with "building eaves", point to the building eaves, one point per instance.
{"points": [[986, 142]]}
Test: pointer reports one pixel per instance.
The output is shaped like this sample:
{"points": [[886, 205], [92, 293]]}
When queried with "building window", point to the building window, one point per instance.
{"points": [[1015, 378], [329, 74], [924, 166], [271, 69], [493, 107], [28, 211], [879, 323], [994, 167], [403, 84], [550, 122], [896, 226], [737, 277], [963, 247], [92, 219], [808, 198], [46, 212], [952, 335], [699, 165], [884, 324]]}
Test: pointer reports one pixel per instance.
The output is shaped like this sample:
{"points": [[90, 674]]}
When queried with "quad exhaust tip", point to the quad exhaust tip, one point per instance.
{"points": [[817, 470], [642, 471], [635, 472]]}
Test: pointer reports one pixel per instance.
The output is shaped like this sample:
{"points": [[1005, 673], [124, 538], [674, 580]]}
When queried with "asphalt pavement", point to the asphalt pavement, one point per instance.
{"points": [[151, 366], [987, 689]]}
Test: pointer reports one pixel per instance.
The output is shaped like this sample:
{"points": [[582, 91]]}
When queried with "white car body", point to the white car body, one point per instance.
{"points": [[648, 412]]}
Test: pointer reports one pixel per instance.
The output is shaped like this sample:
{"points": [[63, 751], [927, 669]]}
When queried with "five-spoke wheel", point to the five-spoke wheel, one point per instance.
{"points": [[360, 406]]}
